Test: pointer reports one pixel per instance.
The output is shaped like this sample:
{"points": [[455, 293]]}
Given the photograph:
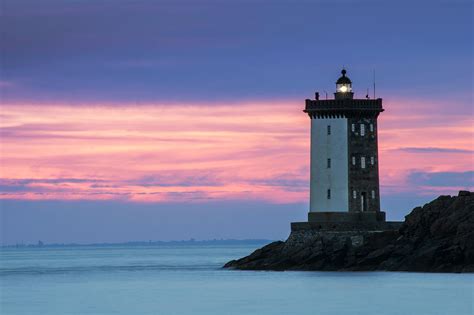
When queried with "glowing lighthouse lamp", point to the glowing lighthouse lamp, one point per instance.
{"points": [[343, 87]]}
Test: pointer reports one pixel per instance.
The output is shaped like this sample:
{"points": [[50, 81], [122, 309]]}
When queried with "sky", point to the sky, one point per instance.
{"points": [[167, 120]]}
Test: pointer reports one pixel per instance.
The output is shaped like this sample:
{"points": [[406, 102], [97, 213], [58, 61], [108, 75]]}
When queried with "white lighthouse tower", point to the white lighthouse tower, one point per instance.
{"points": [[344, 183]]}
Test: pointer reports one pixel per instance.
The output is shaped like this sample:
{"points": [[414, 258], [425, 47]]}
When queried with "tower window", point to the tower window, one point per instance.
{"points": [[329, 163], [353, 160], [354, 194], [353, 127], [329, 129], [371, 127], [362, 129], [372, 160], [362, 162], [373, 194], [329, 193]]}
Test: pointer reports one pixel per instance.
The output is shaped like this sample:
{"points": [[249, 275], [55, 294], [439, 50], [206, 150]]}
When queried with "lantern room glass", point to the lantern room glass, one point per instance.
{"points": [[343, 88]]}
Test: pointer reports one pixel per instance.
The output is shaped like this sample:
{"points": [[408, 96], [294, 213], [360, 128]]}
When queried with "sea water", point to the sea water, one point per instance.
{"points": [[188, 279]]}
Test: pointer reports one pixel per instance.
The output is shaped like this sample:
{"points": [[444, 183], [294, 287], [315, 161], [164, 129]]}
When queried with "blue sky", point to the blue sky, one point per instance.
{"points": [[74, 51]]}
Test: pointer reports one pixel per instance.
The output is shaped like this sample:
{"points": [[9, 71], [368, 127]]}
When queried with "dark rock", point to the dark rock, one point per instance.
{"points": [[438, 237]]}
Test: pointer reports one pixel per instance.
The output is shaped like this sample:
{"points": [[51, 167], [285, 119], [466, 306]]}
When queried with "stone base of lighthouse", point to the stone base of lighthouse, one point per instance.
{"points": [[346, 221], [368, 216]]}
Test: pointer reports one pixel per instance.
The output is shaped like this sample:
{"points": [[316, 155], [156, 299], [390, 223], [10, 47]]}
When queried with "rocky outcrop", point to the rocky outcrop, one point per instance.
{"points": [[438, 237]]}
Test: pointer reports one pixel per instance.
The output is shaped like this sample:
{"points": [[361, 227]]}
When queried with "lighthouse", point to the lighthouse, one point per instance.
{"points": [[344, 179]]}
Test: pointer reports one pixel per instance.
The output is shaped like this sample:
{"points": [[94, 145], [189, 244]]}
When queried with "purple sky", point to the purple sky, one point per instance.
{"points": [[210, 54]]}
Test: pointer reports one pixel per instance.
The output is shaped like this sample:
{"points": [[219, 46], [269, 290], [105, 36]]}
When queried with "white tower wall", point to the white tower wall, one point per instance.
{"points": [[326, 146]]}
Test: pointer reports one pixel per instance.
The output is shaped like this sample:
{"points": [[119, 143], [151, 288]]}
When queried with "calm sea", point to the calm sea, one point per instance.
{"points": [[188, 279]]}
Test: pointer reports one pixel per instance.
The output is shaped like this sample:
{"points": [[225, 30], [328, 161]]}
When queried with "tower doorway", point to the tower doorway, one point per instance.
{"points": [[363, 201]]}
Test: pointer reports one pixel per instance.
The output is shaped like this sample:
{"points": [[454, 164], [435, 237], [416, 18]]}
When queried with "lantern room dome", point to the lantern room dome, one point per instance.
{"points": [[343, 79]]}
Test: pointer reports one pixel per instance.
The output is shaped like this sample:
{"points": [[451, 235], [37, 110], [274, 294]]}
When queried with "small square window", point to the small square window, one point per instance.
{"points": [[362, 129], [371, 127], [373, 194], [353, 160], [372, 160], [362, 162], [329, 163], [329, 193], [329, 129], [353, 127], [354, 194]]}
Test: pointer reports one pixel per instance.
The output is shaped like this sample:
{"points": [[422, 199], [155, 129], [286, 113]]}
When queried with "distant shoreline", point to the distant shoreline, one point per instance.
{"points": [[146, 243]]}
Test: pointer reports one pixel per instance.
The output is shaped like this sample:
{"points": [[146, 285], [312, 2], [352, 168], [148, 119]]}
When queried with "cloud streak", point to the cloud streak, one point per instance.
{"points": [[195, 153], [152, 153], [434, 150], [463, 180]]}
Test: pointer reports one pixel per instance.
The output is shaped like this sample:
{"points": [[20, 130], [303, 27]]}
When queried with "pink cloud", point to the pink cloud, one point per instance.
{"points": [[194, 152]]}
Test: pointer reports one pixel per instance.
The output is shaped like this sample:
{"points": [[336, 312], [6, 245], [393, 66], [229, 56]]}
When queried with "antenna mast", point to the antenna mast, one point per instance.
{"points": [[374, 83]]}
